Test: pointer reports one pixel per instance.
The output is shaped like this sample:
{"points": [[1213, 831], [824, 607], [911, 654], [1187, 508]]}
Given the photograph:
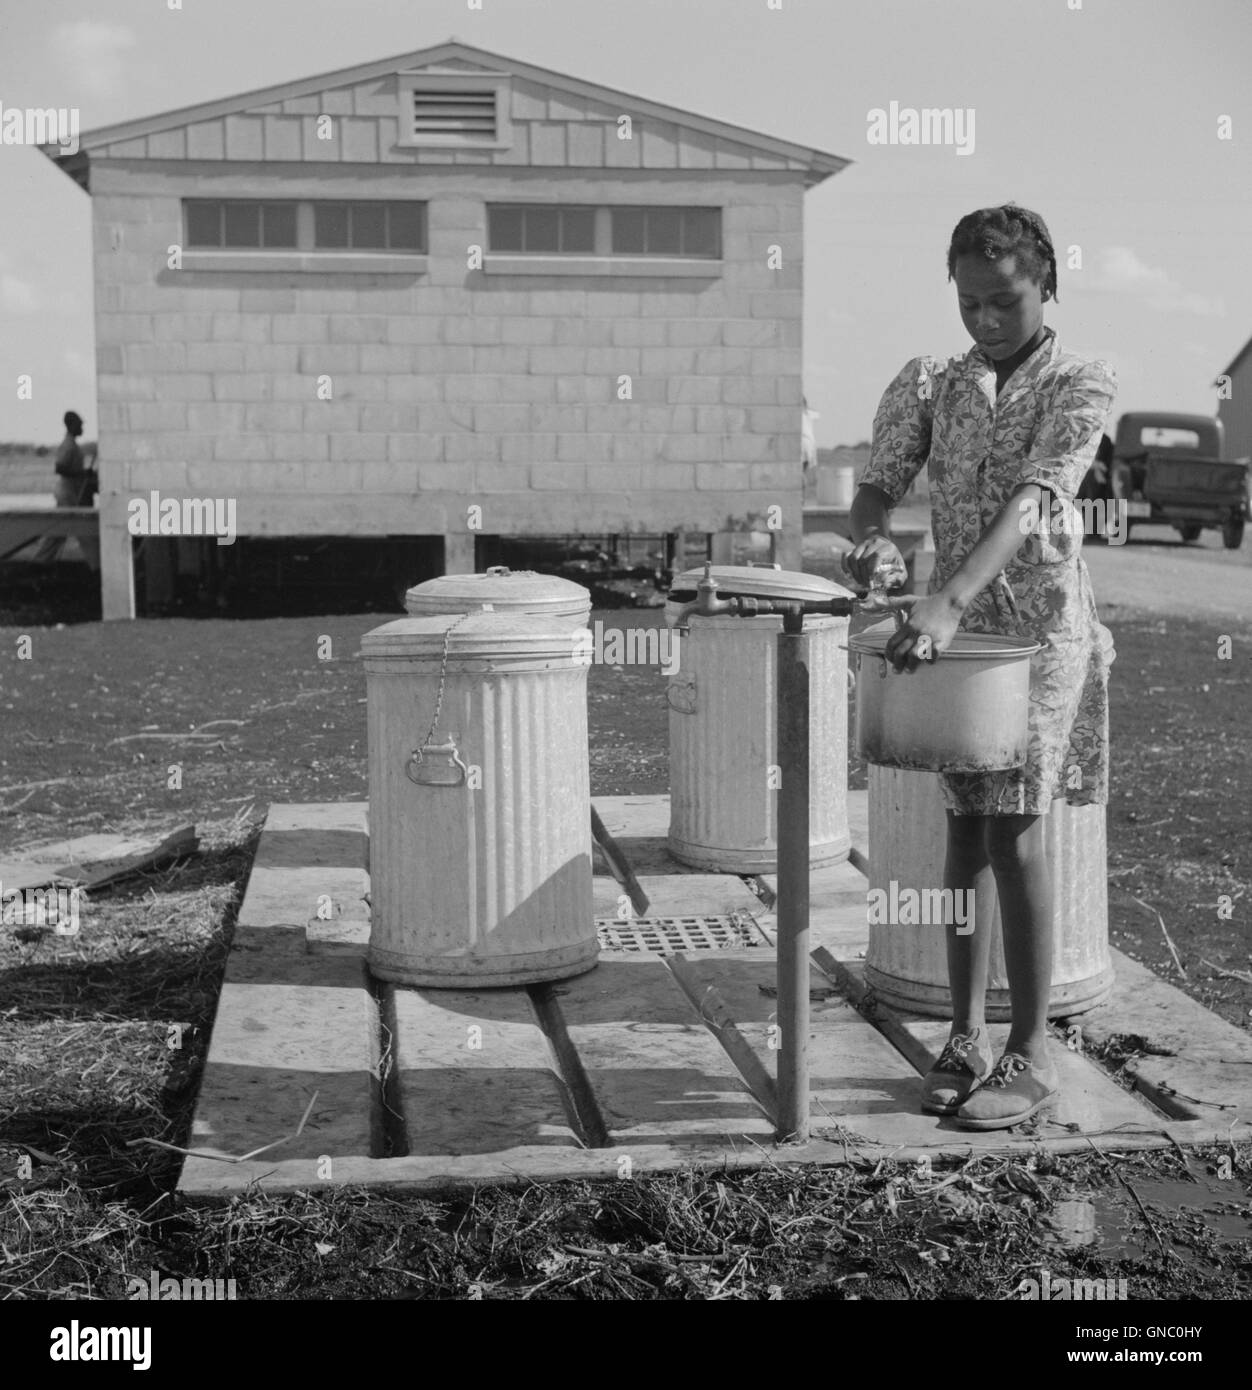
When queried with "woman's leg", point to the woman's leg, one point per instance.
{"points": [[1015, 847], [969, 953]]}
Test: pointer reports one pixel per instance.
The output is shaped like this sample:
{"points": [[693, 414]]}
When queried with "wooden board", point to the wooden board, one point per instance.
{"points": [[475, 1072], [306, 853], [1211, 1065], [286, 1028], [656, 1073]]}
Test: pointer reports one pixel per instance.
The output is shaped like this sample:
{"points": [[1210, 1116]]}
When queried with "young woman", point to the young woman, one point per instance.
{"points": [[1007, 433]]}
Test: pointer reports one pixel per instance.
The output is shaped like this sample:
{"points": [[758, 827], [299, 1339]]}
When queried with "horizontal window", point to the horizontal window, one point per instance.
{"points": [[235, 224], [576, 230], [667, 232], [546, 230], [232, 224]]}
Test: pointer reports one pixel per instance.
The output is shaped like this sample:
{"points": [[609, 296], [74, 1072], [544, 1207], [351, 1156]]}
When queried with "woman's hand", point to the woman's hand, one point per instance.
{"points": [[931, 626], [876, 555]]}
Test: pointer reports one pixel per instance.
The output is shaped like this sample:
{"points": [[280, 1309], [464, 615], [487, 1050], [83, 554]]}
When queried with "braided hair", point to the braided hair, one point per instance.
{"points": [[1007, 230]]}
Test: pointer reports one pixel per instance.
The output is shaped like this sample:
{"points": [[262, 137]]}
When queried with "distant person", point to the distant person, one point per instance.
{"points": [[76, 486]]}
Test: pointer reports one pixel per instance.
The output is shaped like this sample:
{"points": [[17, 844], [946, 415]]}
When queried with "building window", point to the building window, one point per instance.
{"points": [[231, 225], [552, 230], [369, 227], [235, 225], [544, 230], [667, 232]]}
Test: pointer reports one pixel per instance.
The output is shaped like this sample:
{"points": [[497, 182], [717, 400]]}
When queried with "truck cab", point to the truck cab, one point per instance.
{"points": [[1171, 468]]}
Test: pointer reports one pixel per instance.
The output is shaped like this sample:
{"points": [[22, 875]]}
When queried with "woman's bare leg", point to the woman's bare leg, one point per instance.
{"points": [[969, 953], [1015, 847]]}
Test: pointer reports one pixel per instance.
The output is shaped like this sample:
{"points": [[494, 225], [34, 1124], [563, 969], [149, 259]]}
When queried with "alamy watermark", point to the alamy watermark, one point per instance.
{"points": [[155, 515], [1045, 1289], [57, 908], [1085, 516], [33, 125], [628, 646], [894, 906], [167, 1290], [932, 125]]}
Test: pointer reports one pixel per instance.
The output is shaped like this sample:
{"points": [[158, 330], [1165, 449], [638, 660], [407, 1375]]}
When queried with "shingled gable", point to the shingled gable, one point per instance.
{"points": [[550, 120]]}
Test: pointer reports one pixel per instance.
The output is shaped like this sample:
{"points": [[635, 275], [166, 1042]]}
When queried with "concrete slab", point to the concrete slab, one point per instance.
{"points": [[643, 1064]]}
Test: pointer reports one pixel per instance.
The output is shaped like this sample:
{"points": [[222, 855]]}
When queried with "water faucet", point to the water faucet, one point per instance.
{"points": [[707, 604]]}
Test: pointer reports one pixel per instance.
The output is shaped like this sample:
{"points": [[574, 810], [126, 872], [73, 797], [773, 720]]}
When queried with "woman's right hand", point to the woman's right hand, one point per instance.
{"points": [[877, 557]]}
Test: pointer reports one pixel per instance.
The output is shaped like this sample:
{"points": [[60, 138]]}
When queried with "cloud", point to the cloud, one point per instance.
{"points": [[1120, 270], [93, 50]]}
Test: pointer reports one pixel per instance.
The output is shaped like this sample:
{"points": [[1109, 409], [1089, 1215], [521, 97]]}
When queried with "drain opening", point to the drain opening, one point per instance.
{"points": [[666, 935]]}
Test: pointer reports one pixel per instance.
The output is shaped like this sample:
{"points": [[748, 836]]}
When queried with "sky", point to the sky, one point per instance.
{"points": [[1102, 115]]}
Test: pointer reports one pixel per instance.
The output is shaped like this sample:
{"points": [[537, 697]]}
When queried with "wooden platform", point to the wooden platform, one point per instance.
{"points": [[648, 1062], [25, 519]]}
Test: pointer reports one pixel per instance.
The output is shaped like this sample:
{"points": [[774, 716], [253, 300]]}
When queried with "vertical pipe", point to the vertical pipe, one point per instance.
{"points": [[793, 879]]}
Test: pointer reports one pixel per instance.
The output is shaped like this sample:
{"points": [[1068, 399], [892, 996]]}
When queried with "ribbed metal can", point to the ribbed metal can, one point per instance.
{"points": [[907, 963], [480, 818], [724, 776], [502, 590]]}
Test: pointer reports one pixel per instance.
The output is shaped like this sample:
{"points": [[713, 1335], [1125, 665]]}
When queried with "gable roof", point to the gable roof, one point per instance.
{"points": [[816, 165]]}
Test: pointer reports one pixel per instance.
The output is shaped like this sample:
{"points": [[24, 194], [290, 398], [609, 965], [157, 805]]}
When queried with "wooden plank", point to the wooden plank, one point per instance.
{"points": [[310, 859], [682, 895], [837, 917], [656, 1073], [204, 1180], [285, 1028], [855, 1076], [475, 1072], [1211, 1061]]}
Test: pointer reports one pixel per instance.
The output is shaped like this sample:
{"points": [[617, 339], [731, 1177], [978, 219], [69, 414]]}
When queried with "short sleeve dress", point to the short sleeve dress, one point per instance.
{"points": [[978, 449]]}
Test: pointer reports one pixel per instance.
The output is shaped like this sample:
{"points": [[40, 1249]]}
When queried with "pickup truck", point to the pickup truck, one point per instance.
{"points": [[1170, 468]]}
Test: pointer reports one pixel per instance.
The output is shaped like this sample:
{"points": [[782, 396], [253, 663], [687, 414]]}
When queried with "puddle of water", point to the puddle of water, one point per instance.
{"points": [[1223, 1207]]}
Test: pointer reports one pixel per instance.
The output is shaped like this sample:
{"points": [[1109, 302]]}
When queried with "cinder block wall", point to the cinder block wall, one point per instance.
{"points": [[454, 386]]}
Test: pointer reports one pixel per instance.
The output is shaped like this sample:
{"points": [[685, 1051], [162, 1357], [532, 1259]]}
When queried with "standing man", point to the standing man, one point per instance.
{"points": [[75, 487]]}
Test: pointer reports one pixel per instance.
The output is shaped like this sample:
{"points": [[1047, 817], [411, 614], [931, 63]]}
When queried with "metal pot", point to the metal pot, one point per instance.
{"points": [[965, 711]]}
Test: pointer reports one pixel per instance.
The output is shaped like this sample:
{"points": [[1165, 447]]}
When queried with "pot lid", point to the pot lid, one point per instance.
{"points": [[499, 588], [475, 636], [758, 581]]}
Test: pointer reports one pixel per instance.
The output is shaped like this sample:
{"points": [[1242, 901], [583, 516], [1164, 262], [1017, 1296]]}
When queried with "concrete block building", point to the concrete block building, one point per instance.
{"points": [[447, 295], [1234, 409]]}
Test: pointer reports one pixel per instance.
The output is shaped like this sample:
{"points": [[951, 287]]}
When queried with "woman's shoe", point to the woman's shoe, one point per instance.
{"points": [[1013, 1092], [964, 1061]]}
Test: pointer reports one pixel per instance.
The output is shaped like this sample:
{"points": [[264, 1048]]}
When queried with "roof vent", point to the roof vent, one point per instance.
{"points": [[455, 109]]}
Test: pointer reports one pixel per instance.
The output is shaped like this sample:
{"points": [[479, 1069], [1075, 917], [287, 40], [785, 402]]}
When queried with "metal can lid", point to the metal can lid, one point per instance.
{"points": [[500, 588], [477, 637], [757, 581]]}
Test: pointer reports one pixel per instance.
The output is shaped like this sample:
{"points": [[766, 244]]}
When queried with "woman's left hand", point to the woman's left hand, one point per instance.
{"points": [[931, 626]]}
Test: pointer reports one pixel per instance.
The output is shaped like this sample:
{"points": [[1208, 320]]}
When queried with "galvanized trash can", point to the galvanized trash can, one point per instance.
{"points": [[503, 590], [907, 964], [480, 807], [722, 735]]}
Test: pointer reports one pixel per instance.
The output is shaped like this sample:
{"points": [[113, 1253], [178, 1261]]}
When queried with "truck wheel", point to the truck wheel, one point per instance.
{"points": [[1232, 533], [1190, 531]]}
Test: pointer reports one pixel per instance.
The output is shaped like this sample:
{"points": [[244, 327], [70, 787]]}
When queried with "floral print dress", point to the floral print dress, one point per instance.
{"points": [[1044, 427]]}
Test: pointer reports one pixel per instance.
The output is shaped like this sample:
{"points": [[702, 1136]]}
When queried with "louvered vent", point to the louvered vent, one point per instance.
{"points": [[470, 116]]}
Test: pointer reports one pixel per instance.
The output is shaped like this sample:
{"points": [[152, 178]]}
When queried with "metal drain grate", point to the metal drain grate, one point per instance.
{"points": [[664, 935]]}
